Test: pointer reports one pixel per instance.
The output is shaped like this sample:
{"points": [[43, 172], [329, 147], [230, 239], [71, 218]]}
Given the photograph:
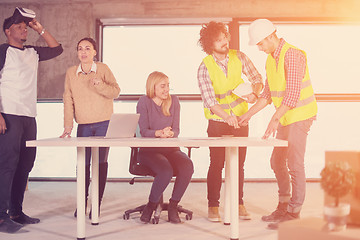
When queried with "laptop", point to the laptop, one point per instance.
{"points": [[122, 125]]}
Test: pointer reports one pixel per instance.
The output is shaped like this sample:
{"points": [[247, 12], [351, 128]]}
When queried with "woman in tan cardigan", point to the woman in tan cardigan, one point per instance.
{"points": [[90, 89]]}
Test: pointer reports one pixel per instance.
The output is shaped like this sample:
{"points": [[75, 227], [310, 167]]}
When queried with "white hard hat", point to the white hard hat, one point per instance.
{"points": [[259, 30]]}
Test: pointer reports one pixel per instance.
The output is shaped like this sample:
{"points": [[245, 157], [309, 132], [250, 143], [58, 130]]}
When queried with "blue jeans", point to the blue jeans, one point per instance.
{"points": [[165, 163], [289, 163], [94, 129], [16, 162], [217, 160]]}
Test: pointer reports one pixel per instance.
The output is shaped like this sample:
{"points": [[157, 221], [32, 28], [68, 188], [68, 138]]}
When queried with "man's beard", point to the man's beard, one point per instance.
{"points": [[222, 51]]}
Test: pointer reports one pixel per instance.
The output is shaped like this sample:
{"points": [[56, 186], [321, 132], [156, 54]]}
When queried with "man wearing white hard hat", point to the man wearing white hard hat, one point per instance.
{"points": [[289, 88], [219, 74], [18, 93]]}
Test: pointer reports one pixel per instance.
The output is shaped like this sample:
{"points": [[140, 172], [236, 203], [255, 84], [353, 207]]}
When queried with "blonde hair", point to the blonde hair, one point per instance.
{"points": [[153, 79]]}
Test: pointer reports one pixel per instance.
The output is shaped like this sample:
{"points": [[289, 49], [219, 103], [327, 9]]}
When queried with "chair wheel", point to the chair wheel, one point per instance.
{"points": [[188, 216], [155, 221], [126, 216]]}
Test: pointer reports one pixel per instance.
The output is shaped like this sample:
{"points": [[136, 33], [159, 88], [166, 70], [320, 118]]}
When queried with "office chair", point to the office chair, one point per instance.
{"points": [[137, 169]]}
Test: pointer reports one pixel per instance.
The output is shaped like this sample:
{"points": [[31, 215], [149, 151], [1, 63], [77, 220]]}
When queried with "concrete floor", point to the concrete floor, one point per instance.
{"points": [[54, 203]]}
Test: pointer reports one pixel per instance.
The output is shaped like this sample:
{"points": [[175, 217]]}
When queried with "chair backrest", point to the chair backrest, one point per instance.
{"points": [[135, 167]]}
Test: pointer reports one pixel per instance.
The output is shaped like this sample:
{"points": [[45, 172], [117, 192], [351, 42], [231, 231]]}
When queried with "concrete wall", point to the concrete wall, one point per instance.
{"points": [[68, 23], [71, 20]]}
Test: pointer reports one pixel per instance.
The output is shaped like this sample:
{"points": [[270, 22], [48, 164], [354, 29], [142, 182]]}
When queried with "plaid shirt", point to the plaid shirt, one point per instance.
{"points": [[205, 84], [295, 67]]}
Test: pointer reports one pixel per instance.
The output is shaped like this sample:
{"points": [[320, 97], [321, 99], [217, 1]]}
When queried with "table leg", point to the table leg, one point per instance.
{"points": [[80, 186], [234, 192], [95, 186], [227, 188]]}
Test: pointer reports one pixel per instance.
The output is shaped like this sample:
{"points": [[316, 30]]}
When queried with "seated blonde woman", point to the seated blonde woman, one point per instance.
{"points": [[160, 117]]}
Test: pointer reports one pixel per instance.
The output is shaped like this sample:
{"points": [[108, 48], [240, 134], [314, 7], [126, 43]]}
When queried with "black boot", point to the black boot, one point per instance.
{"points": [[173, 214], [103, 171], [87, 183], [147, 212]]}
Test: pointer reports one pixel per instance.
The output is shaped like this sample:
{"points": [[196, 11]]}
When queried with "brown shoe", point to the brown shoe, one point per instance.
{"points": [[243, 214], [276, 215], [287, 217], [213, 214]]}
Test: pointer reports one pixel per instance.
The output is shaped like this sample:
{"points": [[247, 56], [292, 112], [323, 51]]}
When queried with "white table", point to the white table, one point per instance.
{"points": [[231, 145]]}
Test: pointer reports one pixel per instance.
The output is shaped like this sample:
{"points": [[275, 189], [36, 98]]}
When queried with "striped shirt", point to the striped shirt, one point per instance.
{"points": [[205, 84], [295, 68]]}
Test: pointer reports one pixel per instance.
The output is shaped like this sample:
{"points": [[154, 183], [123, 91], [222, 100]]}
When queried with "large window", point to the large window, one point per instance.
{"points": [[332, 52], [132, 52]]}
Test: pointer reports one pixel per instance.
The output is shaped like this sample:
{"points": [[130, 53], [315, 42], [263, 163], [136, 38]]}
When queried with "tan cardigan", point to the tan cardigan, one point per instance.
{"points": [[89, 103]]}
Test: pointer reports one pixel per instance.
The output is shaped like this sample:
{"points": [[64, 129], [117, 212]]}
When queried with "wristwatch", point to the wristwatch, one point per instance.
{"points": [[42, 32]]}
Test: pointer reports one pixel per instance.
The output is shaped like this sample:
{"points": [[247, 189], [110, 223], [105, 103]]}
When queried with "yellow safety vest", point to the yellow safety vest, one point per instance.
{"points": [[306, 106], [223, 86]]}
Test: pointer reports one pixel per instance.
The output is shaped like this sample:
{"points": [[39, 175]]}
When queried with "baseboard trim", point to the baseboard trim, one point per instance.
{"points": [[150, 179]]}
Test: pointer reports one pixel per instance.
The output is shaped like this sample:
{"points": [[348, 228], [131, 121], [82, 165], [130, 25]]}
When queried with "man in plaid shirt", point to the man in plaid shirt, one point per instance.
{"points": [[288, 86], [218, 75]]}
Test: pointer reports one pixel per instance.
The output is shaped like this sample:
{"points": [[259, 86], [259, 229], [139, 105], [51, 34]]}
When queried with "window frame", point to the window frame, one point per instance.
{"points": [[234, 24]]}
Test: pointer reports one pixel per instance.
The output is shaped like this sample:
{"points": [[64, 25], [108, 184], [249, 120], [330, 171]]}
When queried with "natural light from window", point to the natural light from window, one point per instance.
{"points": [[133, 52], [332, 53]]}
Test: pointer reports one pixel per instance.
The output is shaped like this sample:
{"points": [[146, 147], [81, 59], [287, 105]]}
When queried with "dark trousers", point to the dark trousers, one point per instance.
{"points": [[94, 129], [16, 162], [89, 130], [217, 160], [165, 163]]}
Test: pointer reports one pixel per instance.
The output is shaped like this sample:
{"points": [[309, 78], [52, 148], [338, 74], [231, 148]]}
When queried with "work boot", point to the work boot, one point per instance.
{"points": [[87, 183], [9, 226], [213, 214], [243, 214], [173, 214], [279, 212], [147, 212], [287, 217]]}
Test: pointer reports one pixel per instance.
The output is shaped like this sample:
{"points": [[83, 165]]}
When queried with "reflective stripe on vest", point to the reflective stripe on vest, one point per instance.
{"points": [[224, 85], [306, 106]]}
